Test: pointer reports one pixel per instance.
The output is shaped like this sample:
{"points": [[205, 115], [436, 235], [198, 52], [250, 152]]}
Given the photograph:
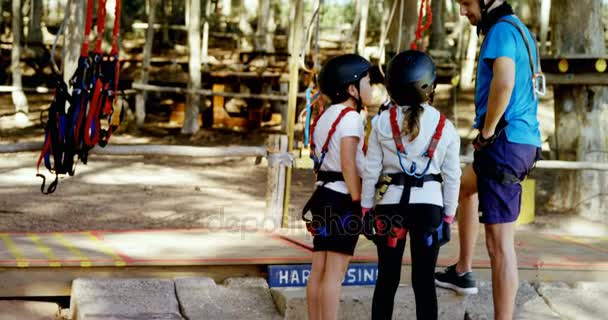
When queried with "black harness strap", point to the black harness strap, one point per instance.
{"points": [[408, 182]]}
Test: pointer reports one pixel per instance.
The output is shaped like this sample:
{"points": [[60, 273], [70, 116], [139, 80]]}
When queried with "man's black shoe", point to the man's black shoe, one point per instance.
{"points": [[449, 279]]}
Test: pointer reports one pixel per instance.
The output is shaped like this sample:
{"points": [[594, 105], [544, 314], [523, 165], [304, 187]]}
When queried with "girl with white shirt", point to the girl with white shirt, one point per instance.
{"points": [[337, 139], [412, 150]]}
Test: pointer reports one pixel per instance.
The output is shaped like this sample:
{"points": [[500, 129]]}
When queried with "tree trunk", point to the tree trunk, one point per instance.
{"points": [[19, 99], [205, 42], [73, 37], [226, 7], [403, 27], [364, 13], [34, 33], [581, 112], [166, 20], [191, 125], [140, 100], [263, 36], [437, 28]]}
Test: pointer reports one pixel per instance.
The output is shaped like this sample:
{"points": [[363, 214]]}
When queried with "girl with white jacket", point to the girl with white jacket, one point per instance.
{"points": [[413, 160]]}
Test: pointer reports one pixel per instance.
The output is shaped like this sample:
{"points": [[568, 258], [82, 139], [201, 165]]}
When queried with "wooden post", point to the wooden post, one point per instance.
{"points": [[19, 98], [191, 125], [73, 37], [275, 187], [581, 111], [296, 35], [142, 97], [364, 5]]}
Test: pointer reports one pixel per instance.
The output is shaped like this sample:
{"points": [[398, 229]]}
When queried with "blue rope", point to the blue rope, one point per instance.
{"points": [[308, 113]]}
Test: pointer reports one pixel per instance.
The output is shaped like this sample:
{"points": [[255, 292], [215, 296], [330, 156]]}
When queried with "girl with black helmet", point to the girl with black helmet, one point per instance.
{"points": [[412, 150], [337, 139]]}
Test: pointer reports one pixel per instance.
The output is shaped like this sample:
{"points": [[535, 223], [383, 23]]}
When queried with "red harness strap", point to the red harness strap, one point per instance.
{"points": [[430, 152], [106, 84], [395, 129], [331, 132]]}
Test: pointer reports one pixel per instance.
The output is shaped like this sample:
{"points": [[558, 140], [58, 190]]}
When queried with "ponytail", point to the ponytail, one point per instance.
{"points": [[411, 121]]}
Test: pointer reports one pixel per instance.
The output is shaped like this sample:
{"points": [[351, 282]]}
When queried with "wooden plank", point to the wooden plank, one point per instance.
{"points": [[600, 79], [159, 150], [205, 92]]}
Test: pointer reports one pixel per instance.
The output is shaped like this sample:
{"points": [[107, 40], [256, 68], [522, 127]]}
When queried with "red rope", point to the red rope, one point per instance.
{"points": [[84, 51], [425, 6], [116, 29], [101, 20]]}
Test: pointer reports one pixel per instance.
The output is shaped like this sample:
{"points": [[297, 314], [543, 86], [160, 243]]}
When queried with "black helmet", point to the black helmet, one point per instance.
{"points": [[340, 72], [410, 78]]}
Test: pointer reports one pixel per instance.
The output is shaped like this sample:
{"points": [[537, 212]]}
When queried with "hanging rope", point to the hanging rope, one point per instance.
{"points": [[425, 6], [400, 35], [308, 37], [384, 35]]}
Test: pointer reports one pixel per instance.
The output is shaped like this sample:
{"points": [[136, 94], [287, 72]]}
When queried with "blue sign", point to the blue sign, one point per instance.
{"points": [[296, 275]]}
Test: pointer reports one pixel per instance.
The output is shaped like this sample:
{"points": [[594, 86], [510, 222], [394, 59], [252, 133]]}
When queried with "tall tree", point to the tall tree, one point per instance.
{"points": [[581, 111], [191, 125], [19, 98]]}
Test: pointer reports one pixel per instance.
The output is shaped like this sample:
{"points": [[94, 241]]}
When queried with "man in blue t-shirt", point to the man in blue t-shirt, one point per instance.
{"points": [[506, 148]]}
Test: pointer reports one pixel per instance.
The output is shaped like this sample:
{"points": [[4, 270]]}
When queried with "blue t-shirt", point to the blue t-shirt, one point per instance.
{"points": [[505, 40]]}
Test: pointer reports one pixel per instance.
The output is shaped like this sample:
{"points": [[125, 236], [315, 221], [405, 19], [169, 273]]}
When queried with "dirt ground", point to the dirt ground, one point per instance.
{"points": [[143, 192]]}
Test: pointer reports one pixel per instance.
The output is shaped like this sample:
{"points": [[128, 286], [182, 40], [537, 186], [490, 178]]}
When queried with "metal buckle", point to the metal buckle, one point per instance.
{"points": [[539, 82]]}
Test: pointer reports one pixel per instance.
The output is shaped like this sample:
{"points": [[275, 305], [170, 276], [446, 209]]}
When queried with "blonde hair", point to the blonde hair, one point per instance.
{"points": [[411, 121]]}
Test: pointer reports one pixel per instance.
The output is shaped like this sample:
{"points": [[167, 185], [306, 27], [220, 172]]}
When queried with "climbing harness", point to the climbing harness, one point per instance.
{"points": [[407, 179], [72, 131], [318, 161], [429, 153]]}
